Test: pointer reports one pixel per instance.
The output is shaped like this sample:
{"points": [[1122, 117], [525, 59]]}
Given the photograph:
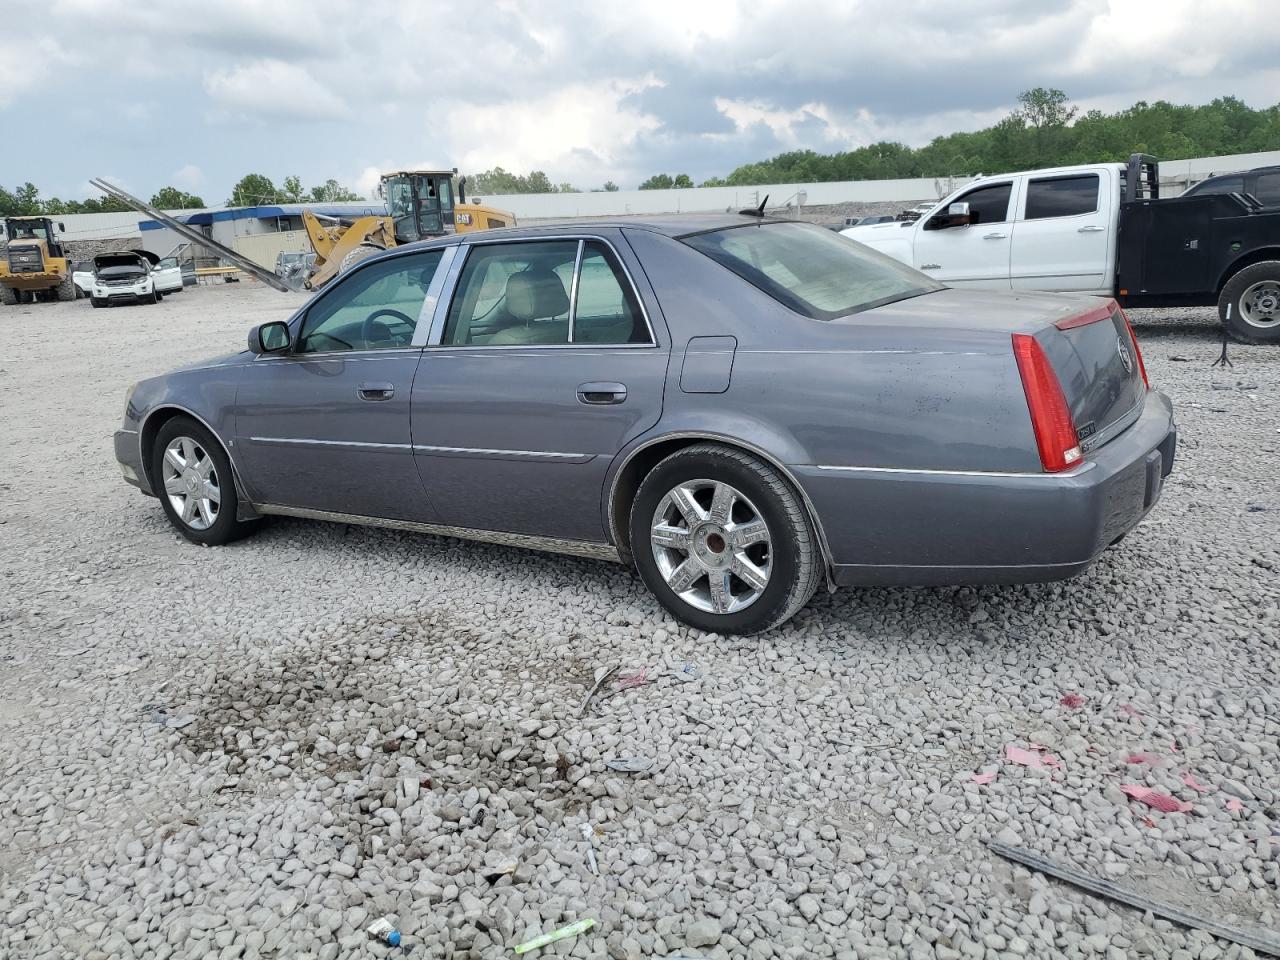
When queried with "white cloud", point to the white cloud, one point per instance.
{"points": [[188, 176], [271, 89]]}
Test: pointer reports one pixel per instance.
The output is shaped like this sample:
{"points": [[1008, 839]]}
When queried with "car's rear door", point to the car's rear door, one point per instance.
{"points": [[325, 427], [1062, 236], [541, 368]]}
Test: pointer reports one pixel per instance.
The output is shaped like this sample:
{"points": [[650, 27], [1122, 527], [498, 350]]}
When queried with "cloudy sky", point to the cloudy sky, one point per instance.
{"points": [[196, 93]]}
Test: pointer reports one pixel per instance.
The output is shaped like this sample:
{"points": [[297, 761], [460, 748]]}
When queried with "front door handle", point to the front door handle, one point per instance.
{"points": [[376, 391], [994, 236], [598, 394], [1091, 229]]}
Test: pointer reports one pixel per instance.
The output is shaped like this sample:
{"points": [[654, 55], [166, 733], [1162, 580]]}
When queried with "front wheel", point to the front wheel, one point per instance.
{"points": [[723, 541], [1249, 306], [192, 477]]}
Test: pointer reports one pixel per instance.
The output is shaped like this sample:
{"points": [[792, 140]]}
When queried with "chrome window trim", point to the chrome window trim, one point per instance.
{"points": [[1063, 475], [442, 309], [573, 289], [577, 548]]}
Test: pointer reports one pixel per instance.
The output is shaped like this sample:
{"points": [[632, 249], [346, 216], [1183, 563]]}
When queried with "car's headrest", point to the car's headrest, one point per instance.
{"points": [[536, 294]]}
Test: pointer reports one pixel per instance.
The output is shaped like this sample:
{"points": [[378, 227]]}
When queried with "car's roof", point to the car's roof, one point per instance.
{"points": [[671, 225]]}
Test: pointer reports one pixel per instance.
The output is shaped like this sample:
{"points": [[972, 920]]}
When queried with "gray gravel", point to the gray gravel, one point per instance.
{"points": [[387, 723]]}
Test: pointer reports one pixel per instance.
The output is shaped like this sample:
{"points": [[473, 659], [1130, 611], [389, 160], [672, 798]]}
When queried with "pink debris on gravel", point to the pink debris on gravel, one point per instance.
{"points": [[1155, 799], [1033, 758], [1130, 709], [1148, 758], [984, 777], [1072, 700], [1234, 804], [633, 680], [1190, 780]]}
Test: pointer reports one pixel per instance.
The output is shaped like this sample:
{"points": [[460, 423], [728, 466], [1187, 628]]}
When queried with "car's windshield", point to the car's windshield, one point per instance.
{"points": [[812, 271]]}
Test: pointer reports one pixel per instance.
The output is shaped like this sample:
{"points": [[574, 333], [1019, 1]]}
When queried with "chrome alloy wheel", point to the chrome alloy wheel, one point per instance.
{"points": [[1260, 304], [712, 546], [191, 483]]}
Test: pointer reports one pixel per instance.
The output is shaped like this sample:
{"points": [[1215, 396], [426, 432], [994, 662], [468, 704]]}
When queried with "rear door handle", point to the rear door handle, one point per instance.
{"points": [[598, 394], [1091, 229], [994, 236], [376, 391]]}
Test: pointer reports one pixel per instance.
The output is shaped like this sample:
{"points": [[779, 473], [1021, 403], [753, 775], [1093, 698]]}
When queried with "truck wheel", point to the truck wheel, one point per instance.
{"points": [[8, 296], [1249, 305]]}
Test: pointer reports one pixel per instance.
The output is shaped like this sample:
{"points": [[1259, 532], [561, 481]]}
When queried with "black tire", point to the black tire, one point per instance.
{"points": [[157, 296], [795, 561], [96, 302], [224, 527], [66, 291], [8, 296], [1233, 313]]}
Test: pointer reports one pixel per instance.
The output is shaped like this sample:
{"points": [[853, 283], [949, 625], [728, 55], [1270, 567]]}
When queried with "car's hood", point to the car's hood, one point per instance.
{"points": [[872, 231], [151, 258], [226, 360], [104, 260]]}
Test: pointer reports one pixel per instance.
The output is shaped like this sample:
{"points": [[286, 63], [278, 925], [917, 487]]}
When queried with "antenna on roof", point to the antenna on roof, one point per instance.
{"points": [[755, 211]]}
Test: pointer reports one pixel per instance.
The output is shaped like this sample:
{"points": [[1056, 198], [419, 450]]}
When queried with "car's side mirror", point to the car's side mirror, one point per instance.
{"points": [[62, 227], [269, 337], [957, 215]]}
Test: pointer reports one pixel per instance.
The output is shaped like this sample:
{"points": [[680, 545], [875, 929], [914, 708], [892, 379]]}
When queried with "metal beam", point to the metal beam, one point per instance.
{"points": [[195, 236]]}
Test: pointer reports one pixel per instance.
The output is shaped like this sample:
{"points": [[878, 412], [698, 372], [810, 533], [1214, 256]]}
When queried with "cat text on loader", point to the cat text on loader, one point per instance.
{"points": [[420, 204], [34, 266]]}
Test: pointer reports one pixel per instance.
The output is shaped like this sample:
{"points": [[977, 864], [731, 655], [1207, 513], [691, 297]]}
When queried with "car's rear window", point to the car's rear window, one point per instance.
{"points": [[812, 271]]}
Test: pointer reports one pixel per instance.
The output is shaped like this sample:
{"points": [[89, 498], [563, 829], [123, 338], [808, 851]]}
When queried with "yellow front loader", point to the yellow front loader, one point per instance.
{"points": [[35, 266], [420, 204]]}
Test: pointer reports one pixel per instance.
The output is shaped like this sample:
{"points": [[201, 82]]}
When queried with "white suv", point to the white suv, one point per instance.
{"points": [[123, 278]]}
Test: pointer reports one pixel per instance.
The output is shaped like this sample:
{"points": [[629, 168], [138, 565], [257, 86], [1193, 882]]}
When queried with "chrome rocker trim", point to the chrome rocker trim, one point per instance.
{"points": [[575, 548]]}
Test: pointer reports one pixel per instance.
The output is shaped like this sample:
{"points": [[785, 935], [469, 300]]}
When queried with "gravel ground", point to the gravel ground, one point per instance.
{"points": [[256, 750]]}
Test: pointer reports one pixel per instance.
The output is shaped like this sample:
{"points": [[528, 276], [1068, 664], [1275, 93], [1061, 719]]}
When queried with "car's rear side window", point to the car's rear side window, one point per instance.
{"points": [[815, 272], [1062, 196], [1267, 188]]}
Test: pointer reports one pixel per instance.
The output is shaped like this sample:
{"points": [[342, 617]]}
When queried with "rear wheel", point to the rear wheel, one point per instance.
{"points": [[8, 296], [723, 541], [192, 477], [1249, 306]]}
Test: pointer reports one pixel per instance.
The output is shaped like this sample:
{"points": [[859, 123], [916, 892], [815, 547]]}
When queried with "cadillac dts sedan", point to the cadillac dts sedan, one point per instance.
{"points": [[742, 408]]}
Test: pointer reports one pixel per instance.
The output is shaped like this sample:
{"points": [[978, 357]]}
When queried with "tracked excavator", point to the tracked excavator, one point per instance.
{"points": [[420, 205]]}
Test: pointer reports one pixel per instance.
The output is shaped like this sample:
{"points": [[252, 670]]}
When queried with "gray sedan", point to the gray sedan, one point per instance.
{"points": [[744, 409]]}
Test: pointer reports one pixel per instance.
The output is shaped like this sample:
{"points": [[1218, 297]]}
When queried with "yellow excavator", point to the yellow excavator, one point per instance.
{"points": [[34, 265], [420, 204]]}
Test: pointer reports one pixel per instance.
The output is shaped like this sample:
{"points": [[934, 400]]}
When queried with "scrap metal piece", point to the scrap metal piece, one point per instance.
{"points": [[609, 671], [195, 236], [1261, 942], [629, 764]]}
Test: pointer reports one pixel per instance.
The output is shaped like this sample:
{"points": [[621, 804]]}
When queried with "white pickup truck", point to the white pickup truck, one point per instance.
{"points": [[1101, 229]]}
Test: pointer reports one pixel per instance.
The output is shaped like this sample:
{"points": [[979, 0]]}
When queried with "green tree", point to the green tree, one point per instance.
{"points": [[171, 198], [682, 181], [291, 189], [333, 192], [253, 189], [659, 181], [610, 187]]}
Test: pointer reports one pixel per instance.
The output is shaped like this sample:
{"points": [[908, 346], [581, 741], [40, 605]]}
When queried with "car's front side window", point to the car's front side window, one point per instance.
{"points": [[988, 204], [375, 308]]}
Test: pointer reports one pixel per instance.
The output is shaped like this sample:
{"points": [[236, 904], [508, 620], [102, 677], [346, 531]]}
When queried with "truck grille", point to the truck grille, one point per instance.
{"points": [[25, 260]]}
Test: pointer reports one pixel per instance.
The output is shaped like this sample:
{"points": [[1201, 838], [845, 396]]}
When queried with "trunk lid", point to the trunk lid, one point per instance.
{"points": [[1098, 366]]}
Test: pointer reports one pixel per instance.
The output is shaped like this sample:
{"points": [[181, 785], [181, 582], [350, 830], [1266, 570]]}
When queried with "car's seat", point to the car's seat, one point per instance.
{"points": [[534, 299]]}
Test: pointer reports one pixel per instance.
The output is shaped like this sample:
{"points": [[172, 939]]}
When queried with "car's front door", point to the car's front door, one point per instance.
{"points": [[976, 255], [325, 426], [545, 365]]}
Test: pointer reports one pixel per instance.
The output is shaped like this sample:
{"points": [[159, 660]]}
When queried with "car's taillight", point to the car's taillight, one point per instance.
{"points": [[1056, 436], [1137, 350]]}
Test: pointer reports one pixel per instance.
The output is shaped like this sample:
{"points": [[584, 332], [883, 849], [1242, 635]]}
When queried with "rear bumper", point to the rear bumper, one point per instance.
{"points": [[930, 528]]}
